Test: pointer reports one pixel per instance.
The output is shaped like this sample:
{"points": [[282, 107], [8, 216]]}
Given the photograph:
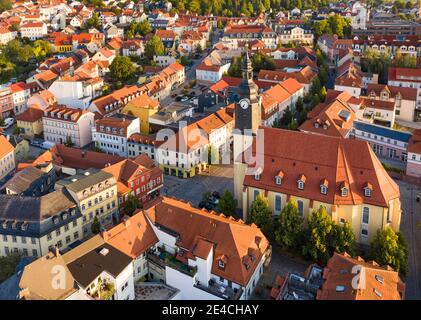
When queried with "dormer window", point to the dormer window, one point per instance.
{"points": [[279, 177], [257, 174], [301, 182], [221, 264], [323, 189], [344, 192], [368, 188]]}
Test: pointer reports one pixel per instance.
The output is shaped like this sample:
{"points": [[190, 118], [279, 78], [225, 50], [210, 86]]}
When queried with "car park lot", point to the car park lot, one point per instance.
{"points": [[218, 178]]}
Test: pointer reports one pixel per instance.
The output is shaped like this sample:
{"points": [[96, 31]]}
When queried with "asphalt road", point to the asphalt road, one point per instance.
{"points": [[411, 216]]}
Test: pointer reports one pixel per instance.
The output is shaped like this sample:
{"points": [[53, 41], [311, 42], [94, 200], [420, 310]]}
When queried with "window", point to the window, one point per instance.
{"points": [[340, 288], [367, 192], [33, 241], [68, 239], [14, 239], [59, 244], [58, 232], [300, 185], [342, 220], [278, 203], [257, 176], [23, 239], [49, 237], [300, 207], [278, 180], [344, 192], [366, 214], [75, 223], [379, 278], [34, 252], [377, 292], [323, 189], [256, 194], [221, 264], [76, 235], [364, 232], [66, 227]]}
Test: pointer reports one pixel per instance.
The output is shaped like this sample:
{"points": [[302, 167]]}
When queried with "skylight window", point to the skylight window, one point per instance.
{"points": [[340, 288]]}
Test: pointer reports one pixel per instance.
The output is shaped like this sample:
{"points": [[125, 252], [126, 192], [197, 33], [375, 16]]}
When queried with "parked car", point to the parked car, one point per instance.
{"points": [[184, 99], [216, 195], [178, 98], [8, 122], [36, 143], [46, 145]]}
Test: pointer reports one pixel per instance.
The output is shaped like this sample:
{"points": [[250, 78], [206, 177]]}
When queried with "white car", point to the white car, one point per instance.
{"points": [[8, 122]]}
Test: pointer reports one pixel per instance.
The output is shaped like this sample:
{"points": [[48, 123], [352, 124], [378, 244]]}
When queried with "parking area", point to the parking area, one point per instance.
{"points": [[216, 178]]}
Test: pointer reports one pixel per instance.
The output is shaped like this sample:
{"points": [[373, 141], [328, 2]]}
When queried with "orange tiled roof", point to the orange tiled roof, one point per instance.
{"points": [[379, 283], [232, 240], [5, 147], [134, 236], [333, 113], [320, 157]]}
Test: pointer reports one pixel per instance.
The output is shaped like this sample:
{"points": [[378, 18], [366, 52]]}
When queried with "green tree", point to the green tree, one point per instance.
{"points": [[154, 47], [184, 60], [122, 69], [299, 106], [262, 61], [318, 232], [8, 265], [342, 239], [144, 27], [42, 49], [261, 215], [235, 67], [5, 5], [132, 203], [96, 226], [227, 204], [69, 142], [93, 22], [290, 226], [389, 248]]}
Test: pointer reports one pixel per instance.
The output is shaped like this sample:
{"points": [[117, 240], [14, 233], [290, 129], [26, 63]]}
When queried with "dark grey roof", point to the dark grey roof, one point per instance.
{"points": [[382, 131], [24, 179], [30, 216], [88, 267], [86, 179]]}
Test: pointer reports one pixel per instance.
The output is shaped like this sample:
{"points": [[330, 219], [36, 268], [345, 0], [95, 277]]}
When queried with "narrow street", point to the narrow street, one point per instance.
{"points": [[411, 217]]}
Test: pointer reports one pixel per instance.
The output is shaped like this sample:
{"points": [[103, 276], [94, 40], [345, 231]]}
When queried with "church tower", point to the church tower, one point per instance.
{"points": [[247, 117], [247, 109]]}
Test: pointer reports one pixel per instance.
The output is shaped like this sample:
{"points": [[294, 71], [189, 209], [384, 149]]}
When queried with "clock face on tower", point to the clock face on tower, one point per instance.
{"points": [[244, 103]]}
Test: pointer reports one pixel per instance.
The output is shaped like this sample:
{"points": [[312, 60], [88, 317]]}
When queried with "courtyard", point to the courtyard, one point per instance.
{"points": [[216, 178]]}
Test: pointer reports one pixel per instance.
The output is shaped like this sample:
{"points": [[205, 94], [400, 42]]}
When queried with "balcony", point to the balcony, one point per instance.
{"points": [[220, 290], [164, 258], [105, 291]]}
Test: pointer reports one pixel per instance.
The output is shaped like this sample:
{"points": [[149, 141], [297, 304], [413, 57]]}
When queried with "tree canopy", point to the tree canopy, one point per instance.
{"points": [[227, 204], [323, 237], [261, 215], [154, 47], [290, 226], [389, 248], [132, 203], [122, 69], [335, 24]]}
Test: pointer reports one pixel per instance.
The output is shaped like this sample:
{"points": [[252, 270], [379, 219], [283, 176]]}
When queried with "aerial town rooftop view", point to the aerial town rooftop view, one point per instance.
{"points": [[210, 150]]}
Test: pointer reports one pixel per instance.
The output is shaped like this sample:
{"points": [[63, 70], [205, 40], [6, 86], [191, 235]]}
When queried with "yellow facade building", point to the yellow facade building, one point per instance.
{"points": [[343, 175], [143, 108], [30, 121]]}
